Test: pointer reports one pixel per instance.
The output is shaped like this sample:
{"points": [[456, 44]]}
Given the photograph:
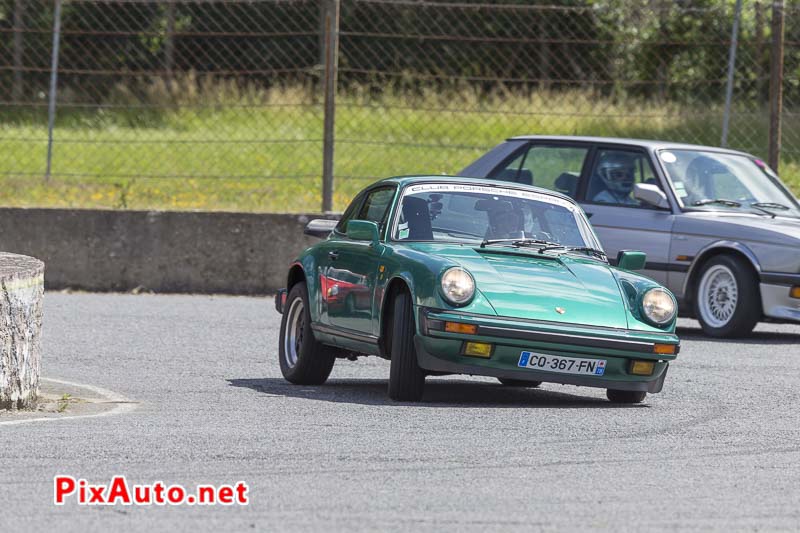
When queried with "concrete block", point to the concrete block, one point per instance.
{"points": [[21, 294]]}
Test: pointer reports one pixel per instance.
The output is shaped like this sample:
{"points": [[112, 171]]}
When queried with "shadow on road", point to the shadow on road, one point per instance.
{"points": [[438, 393], [758, 338]]}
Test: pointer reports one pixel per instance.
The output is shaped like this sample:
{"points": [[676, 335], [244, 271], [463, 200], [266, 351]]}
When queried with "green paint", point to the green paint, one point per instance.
{"points": [[519, 288]]}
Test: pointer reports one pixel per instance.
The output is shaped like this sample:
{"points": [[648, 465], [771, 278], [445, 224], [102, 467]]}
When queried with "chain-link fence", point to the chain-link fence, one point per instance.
{"points": [[222, 104]]}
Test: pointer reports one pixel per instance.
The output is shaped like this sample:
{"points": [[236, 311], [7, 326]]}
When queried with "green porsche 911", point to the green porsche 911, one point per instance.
{"points": [[445, 275]]}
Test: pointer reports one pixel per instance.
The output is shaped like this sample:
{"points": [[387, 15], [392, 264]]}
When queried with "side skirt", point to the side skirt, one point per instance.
{"points": [[353, 341]]}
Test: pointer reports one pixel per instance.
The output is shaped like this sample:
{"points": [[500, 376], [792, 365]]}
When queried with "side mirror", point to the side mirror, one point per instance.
{"points": [[651, 195], [363, 230], [629, 260], [320, 227]]}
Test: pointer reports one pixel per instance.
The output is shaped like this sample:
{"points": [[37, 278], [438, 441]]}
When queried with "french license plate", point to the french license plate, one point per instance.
{"points": [[562, 365]]}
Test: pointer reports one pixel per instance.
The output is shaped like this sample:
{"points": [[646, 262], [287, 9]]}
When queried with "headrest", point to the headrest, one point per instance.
{"points": [[566, 182]]}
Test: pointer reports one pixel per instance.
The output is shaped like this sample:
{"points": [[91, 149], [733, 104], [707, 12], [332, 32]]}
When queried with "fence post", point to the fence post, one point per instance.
{"points": [[51, 108], [330, 79], [19, 23], [169, 41], [760, 39], [776, 85], [726, 117]]}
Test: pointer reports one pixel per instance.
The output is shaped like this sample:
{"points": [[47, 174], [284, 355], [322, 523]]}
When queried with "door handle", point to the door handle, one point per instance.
{"points": [[333, 255]]}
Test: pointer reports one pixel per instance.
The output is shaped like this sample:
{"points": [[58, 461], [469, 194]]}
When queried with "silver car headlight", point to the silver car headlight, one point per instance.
{"points": [[658, 306], [458, 287]]}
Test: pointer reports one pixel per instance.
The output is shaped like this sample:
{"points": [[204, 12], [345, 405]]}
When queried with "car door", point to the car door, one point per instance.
{"points": [[351, 268], [621, 221], [323, 253]]}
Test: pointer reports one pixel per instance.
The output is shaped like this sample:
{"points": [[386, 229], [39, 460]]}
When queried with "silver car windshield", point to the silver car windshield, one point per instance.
{"points": [[713, 180], [473, 213]]}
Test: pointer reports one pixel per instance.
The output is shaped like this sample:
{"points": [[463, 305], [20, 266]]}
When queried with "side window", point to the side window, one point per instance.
{"points": [[348, 215], [614, 174], [376, 205], [552, 167], [509, 172]]}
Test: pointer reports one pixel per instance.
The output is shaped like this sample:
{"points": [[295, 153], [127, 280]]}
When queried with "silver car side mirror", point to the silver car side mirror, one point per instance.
{"points": [[651, 195], [320, 227]]}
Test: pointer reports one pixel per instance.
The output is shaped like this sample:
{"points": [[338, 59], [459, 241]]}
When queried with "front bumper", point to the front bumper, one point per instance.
{"points": [[440, 351], [777, 304]]}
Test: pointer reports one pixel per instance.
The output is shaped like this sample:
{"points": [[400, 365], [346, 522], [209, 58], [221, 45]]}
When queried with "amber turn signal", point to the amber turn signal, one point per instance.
{"points": [[642, 368], [457, 327], [664, 349], [795, 292], [478, 349]]}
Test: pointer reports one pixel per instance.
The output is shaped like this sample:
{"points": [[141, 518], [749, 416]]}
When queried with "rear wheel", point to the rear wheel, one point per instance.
{"points": [[726, 298], [303, 360], [406, 378], [626, 396], [519, 383]]}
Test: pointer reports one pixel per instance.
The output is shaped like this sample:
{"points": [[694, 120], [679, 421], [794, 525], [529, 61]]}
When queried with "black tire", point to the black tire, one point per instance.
{"points": [[309, 362], [406, 378], [747, 311], [519, 383], [626, 396]]}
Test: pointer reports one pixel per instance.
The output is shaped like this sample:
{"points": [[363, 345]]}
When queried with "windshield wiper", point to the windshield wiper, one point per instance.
{"points": [[771, 205], [517, 242], [600, 254], [765, 207], [721, 201]]}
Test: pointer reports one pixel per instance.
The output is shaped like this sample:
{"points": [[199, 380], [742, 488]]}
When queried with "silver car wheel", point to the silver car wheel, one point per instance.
{"points": [[717, 295], [293, 337]]}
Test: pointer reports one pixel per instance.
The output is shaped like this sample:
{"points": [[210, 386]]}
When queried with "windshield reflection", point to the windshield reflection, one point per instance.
{"points": [[713, 180], [464, 213]]}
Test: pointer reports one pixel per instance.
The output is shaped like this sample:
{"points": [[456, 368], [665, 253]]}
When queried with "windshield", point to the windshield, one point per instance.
{"points": [[476, 213], [712, 180]]}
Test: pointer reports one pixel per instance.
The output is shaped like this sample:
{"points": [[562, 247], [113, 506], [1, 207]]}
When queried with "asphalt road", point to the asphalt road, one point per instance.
{"points": [[719, 449]]}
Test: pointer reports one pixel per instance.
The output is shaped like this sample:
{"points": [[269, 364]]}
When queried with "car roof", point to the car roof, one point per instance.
{"points": [[407, 180], [645, 143]]}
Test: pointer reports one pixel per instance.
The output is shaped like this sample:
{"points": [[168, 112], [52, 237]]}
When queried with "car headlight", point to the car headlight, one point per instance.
{"points": [[458, 287], [658, 306]]}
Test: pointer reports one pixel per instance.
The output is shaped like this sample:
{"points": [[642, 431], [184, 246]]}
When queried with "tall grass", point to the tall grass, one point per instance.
{"points": [[195, 143]]}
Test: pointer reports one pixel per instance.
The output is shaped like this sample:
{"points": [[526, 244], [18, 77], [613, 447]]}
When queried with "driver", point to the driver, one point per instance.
{"points": [[506, 225], [504, 221], [699, 177], [616, 171]]}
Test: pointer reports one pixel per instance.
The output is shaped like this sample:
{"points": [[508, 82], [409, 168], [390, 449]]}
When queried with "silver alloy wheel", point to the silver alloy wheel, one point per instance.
{"points": [[293, 336], [718, 294]]}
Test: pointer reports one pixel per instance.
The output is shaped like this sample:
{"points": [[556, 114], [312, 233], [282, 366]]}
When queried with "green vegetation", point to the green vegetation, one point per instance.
{"points": [[226, 148], [64, 402]]}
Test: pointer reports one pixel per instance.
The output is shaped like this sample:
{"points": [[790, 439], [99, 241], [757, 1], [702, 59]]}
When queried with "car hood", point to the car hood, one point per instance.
{"points": [[523, 284], [740, 226]]}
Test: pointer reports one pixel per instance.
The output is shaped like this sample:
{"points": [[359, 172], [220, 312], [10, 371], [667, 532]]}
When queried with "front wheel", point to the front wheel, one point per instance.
{"points": [[726, 298], [406, 378], [626, 396], [303, 360]]}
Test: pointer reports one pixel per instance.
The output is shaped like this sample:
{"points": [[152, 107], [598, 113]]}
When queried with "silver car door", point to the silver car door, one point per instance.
{"points": [[621, 221]]}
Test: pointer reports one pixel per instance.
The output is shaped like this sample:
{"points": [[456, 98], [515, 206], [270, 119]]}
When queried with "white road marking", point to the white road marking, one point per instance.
{"points": [[124, 405]]}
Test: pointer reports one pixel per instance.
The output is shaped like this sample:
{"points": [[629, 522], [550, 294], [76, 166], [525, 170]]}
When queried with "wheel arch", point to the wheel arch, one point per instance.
{"points": [[395, 285], [296, 275], [734, 249]]}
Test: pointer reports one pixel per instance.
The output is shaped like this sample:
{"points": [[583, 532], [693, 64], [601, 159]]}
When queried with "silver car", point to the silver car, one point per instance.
{"points": [[718, 226]]}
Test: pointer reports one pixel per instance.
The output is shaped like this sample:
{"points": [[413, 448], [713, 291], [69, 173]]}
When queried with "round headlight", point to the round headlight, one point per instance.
{"points": [[658, 306], [458, 286]]}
